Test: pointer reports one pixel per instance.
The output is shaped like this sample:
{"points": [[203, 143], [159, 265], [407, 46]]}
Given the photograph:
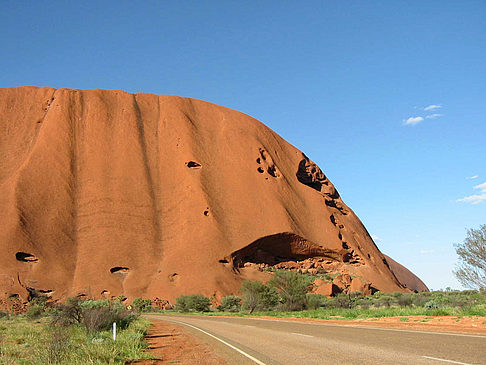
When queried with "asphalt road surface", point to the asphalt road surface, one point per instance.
{"points": [[271, 342]]}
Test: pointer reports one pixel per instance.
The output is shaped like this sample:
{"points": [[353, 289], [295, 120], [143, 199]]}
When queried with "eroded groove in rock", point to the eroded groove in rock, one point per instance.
{"points": [[119, 270], [193, 165], [308, 173], [26, 257], [173, 277]]}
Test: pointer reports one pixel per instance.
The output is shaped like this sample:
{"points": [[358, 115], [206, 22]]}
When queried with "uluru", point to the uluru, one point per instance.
{"points": [[107, 193]]}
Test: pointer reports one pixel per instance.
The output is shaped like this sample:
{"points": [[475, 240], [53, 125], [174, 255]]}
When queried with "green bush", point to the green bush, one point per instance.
{"points": [[431, 305], [94, 315], [102, 318], [141, 305], [405, 300], [193, 303], [314, 301], [35, 311], [230, 303], [292, 288], [258, 296], [90, 304]]}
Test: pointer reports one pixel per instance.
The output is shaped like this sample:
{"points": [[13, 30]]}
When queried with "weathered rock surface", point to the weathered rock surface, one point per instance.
{"points": [[407, 278], [106, 193]]}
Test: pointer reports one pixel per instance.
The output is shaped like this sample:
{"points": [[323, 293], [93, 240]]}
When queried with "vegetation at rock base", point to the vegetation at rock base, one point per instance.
{"points": [[471, 271], [193, 303], [77, 332], [141, 305], [258, 296], [292, 288], [230, 303], [288, 296]]}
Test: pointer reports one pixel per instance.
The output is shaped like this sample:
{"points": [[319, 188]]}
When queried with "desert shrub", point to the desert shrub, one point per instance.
{"points": [[258, 296], [365, 304], [101, 318], [69, 313], [419, 300], [192, 303], [90, 304], [35, 311], [349, 301], [141, 305], [292, 288], [268, 297], [385, 300], [404, 300], [313, 301], [431, 305], [97, 319], [230, 303], [40, 300], [94, 315], [57, 346], [2, 314]]}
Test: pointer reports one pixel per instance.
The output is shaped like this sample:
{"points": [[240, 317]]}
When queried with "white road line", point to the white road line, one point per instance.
{"points": [[220, 340], [444, 360], [300, 334]]}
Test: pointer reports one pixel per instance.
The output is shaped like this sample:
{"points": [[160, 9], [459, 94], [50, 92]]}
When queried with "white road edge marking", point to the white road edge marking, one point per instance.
{"points": [[220, 340], [445, 360], [300, 334]]}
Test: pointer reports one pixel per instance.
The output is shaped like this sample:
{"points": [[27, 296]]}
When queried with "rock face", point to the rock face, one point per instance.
{"points": [[106, 193], [407, 278]]}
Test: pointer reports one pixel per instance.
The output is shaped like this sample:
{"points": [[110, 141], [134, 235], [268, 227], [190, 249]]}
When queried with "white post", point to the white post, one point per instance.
{"points": [[114, 331]]}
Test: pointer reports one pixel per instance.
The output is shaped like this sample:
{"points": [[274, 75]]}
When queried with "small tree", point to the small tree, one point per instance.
{"points": [[292, 287], [230, 303], [251, 294], [193, 303], [471, 270], [257, 295]]}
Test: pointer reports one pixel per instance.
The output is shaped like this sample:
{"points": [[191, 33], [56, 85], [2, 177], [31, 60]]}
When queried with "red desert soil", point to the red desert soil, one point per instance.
{"points": [[170, 344], [454, 324], [107, 193]]}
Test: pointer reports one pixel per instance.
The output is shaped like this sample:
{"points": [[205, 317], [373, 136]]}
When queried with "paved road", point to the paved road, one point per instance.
{"points": [[271, 342]]}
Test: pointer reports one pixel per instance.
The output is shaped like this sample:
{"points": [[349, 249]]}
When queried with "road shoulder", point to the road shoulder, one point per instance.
{"points": [[170, 343]]}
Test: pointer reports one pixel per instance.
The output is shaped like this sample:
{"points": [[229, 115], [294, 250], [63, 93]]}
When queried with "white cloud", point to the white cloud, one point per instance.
{"points": [[426, 252], [481, 187], [476, 198], [414, 120], [432, 107], [433, 116], [376, 238], [472, 177], [473, 199]]}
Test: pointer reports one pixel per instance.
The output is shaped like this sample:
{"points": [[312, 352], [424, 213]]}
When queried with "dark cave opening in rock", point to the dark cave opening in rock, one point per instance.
{"points": [[282, 247]]}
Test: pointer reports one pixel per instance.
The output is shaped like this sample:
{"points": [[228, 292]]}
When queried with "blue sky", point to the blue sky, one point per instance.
{"points": [[347, 82]]}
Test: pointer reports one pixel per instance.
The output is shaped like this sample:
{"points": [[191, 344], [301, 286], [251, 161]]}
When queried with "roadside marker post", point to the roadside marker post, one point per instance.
{"points": [[114, 331]]}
